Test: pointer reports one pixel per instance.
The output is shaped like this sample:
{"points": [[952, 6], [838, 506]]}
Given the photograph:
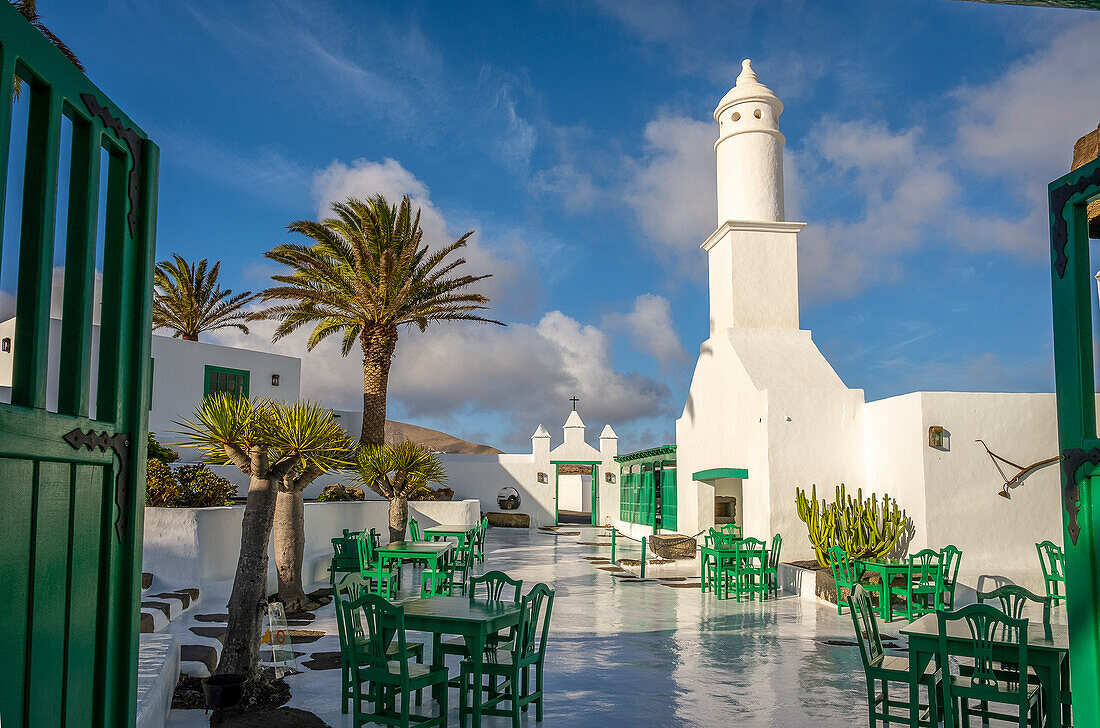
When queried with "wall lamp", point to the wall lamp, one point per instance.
{"points": [[609, 477], [542, 478], [274, 380], [935, 437], [5, 345]]}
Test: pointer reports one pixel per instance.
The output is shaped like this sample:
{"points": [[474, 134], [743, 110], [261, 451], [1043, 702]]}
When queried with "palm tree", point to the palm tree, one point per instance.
{"points": [[267, 440], [29, 10], [366, 274], [188, 300], [395, 472]]}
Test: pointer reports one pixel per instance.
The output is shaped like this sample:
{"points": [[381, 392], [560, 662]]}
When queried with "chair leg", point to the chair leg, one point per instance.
{"points": [[420, 691], [443, 704], [515, 698], [526, 684], [538, 689]]}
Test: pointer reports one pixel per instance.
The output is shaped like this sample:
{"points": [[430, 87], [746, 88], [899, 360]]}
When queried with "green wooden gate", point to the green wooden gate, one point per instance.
{"points": [[668, 499], [1073, 285], [72, 487]]}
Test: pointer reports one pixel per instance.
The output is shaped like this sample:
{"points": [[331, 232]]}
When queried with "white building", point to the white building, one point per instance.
{"points": [[183, 373], [766, 412]]}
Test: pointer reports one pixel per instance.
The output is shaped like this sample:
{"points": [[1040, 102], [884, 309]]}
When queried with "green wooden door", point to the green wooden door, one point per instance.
{"points": [[1073, 286], [668, 498], [71, 487], [648, 506]]}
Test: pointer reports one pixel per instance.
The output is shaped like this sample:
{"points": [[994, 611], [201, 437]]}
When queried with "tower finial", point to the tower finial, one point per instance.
{"points": [[747, 75]]}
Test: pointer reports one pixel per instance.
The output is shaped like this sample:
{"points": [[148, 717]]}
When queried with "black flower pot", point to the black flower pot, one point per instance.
{"points": [[223, 691]]}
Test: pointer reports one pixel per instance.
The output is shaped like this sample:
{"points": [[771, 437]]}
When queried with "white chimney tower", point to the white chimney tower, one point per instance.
{"points": [[750, 151], [753, 255]]}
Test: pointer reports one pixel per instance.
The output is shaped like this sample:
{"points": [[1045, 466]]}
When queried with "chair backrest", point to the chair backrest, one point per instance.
{"points": [[534, 624], [481, 529], [866, 624], [989, 627], [926, 569], [1052, 559], [751, 547], [414, 530], [362, 618], [367, 550], [952, 557], [844, 574], [493, 584], [773, 555], [1013, 599], [345, 547], [732, 529]]}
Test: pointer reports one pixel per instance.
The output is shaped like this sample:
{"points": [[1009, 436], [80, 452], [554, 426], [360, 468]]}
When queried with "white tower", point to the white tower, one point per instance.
{"points": [[753, 254], [750, 151]]}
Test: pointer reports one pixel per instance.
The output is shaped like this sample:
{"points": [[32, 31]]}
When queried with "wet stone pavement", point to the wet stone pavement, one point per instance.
{"points": [[625, 653]]}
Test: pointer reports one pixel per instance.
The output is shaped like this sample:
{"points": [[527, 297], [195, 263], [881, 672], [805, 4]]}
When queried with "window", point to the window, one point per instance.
{"points": [[220, 379]]}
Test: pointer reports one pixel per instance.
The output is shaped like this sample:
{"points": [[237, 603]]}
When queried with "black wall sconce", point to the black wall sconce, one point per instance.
{"points": [[609, 477], [274, 380], [5, 345], [936, 437], [542, 478]]}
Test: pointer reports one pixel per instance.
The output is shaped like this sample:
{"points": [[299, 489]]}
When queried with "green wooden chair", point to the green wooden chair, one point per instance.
{"points": [[459, 566], [923, 584], [353, 640], [1013, 599], [881, 669], [371, 567], [844, 574], [1053, 561], [513, 662], [1001, 683], [479, 540], [952, 557], [751, 563], [345, 557], [732, 529], [493, 586], [722, 568], [771, 571]]}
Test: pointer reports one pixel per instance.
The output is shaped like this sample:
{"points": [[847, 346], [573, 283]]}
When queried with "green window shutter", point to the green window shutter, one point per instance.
{"points": [[648, 510], [668, 498], [221, 379]]}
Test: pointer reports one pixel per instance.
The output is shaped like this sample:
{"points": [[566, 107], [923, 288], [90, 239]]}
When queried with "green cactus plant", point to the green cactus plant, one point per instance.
{"points": [[863, 527]]}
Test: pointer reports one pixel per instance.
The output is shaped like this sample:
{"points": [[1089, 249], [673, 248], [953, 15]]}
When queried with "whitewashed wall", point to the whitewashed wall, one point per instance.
{"points": [[199, 546], [959, 483]]}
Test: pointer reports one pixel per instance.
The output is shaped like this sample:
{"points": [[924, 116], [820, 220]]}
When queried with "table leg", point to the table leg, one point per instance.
{"points": [[475, 643], [438, 662], [703, 572], [1052, 686], [918, 662]]}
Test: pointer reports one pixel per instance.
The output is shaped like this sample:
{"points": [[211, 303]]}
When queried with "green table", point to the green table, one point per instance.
{"points": [[708, 553], [434, 552], [1047, 654], [888, 570], [463, 534], [472, 619]]}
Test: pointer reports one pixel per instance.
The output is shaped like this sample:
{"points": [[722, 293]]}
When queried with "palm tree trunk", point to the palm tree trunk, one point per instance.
{"points": [[289, 528], [248, 599], [378, 343], [399, 517]]}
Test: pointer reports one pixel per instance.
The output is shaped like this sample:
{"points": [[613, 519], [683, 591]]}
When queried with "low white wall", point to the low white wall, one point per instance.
{"points": [[575, 493], [483, 476], [198, 546]]}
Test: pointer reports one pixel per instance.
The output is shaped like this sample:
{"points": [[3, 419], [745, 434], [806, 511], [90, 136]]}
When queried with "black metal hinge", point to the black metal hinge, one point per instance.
{"points": [[120, 444]]}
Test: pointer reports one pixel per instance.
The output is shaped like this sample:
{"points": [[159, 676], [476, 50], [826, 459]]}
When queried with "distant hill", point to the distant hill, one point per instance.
{"points": [[398, 432]]}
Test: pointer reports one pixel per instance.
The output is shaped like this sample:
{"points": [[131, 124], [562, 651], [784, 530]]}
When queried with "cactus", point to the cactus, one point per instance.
{"points": [[862, 527]]}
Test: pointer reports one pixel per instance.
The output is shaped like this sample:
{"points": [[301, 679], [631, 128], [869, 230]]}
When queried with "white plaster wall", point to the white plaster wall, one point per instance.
{"points": [[814, 436], [482, 477], [895, 447], [199, 546], [753, 270], [961, 483]]}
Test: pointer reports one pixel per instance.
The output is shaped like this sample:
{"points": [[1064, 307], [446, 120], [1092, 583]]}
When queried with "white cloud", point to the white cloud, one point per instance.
{"points": [[523, 375], [981, 188], [672, 190], [650, 328]]}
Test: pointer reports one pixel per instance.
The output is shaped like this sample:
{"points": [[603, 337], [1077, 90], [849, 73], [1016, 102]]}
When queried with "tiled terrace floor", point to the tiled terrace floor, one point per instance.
{"points": [[645, 654]]}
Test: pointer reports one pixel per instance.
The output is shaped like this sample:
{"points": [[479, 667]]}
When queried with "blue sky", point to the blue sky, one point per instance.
{"points": [[576, 137]]}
